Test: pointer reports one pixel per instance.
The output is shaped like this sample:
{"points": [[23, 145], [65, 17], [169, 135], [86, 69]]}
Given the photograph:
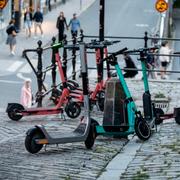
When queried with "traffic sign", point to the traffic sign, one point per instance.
{"points": [[161, 6], [3, 3]]}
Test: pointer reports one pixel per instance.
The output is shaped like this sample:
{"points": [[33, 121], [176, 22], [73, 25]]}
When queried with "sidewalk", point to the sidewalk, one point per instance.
{"points": [[158, 158], [49, 28]]}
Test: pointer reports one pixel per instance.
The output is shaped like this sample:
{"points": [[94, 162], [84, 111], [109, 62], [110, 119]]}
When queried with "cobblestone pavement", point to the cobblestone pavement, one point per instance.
{"points": [[67, 161], [158, 158]]}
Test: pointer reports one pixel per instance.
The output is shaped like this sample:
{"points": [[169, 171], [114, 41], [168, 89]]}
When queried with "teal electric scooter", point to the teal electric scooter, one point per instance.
{"points": [[126, 119], [150, 112]]}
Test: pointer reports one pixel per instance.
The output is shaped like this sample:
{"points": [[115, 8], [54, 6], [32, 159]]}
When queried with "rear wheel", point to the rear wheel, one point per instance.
{"points": [[14, 112], [89, 142], [142, 129], [158, 112], [73, 109], [30, 140]]}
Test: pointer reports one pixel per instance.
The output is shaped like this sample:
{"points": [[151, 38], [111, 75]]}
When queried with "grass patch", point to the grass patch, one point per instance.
{"points": [[140, 175], [174, 147]]}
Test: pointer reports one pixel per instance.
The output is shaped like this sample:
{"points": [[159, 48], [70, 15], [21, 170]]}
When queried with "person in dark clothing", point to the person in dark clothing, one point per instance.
{"points": [[150, 65], [28, 17], [60, 24], [129, 64], [38, 19], [11, 39]]}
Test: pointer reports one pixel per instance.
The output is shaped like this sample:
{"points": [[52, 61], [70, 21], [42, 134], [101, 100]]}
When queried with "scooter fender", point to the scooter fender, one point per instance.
{"points": [[36, 128], [9, 106], [44, 131]]}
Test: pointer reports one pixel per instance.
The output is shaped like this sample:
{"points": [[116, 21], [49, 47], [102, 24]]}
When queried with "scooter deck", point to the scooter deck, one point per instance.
{"points": [[55, 137], [111, 129], [101, 131]]}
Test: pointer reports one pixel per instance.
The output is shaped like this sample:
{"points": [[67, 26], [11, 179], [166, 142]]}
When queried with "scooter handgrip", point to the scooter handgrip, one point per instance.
{"points": [[113, 42], [120, 51]]}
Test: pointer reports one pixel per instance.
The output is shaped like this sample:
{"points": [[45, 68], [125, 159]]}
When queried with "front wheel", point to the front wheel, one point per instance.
{"points": [[30, 140], [142, 129], [89, 142], [73, 109]]}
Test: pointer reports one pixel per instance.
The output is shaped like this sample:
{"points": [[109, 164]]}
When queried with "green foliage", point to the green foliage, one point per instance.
{"points": [[140, 175], [159, 95], [176, 4]]}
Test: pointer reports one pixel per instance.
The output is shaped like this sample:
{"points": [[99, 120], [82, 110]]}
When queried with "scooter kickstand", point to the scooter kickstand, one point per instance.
{"points": [[45, 148], [63, 116]]}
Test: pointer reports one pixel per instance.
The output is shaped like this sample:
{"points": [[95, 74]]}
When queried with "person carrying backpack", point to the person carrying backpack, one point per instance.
{"points": [[11, 39]]}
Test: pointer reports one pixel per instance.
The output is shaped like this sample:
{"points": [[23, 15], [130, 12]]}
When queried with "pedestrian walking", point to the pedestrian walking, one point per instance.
{"points": [[11, 39], [60, 25], [75, 25], [28, 17], [151, 64], [26, 94], [129, 65], [38, 20], [165, 60]]}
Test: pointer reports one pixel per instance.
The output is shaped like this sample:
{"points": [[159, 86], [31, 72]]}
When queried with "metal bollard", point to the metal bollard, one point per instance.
{"points": [[53, 61], [39, 74], [74, 58], [146, 39], [64, 60]]}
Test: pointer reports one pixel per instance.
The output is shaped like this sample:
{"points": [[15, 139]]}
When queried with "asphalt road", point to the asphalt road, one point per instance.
{"points": [[122, 18]]}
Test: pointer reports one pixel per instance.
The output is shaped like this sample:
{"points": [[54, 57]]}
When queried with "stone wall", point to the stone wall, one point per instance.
{"points": [[171, 89]]}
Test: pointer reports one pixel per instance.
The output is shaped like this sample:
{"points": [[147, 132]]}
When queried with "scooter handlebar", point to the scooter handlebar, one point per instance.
{"points": [[28, 50], [105, 42], [142, 49], [110, 57]]}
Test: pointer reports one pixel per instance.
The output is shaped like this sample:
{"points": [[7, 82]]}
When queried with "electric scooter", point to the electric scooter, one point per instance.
{"points": [[126, 119], [153, 115], [150, 112], [17, 111], [96, 95], [40, 135]]}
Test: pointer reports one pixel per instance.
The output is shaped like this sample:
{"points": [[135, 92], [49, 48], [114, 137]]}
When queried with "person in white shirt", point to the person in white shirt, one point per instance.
{"points": [[165, 60]]}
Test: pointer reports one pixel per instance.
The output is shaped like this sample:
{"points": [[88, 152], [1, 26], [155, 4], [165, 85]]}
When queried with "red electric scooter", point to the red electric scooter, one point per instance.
{"points": [[16, 111]]}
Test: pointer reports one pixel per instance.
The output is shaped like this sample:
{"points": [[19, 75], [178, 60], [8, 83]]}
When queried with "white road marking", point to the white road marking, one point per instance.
{"points": [[15, 66], [27, 68], [21, 76], [142, 25]]}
